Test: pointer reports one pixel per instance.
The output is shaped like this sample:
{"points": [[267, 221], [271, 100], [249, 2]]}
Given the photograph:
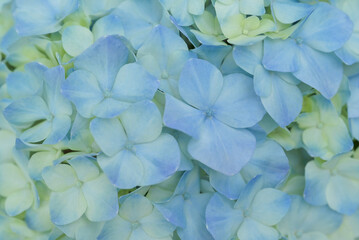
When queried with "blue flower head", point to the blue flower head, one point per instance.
{"points": [[103, 85], [38, 110], [213, 111], [134, 151]]}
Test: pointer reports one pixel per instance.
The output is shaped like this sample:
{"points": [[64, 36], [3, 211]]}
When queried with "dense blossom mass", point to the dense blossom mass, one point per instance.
{"points": [[179, 119]]}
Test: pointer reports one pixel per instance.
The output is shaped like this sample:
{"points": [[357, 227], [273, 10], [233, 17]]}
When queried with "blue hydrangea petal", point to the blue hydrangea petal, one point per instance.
{"points": [[315, 142], [342, 194], [316, 181], [253, 230], [22, 85], [182, 117], [339, 140], [284, 101], [124, 169], [268, 155], [221, 147], [26, 111], [66, 207], [114, 228], [173, 211], [336, 26], [194, 210], [85, 168], [109, 108], [101, 198], [229, 186], [48, 15], [104, 59], [252, 7], [107, 25], [81, 229], [348, 53], [139, 18], [108, 134], [222, 219], [135, 207], [248, 57], [60, 177], [156, 226], [142, 122], [160, 158], [36, 133], [18, 202], [200, 83], [133, 83], [314, 235], [321, 71], [278, 55], [82, 89], [60, 127], [290, 11], [12, 179], [238, 106], [249, 192], [269, 206]]}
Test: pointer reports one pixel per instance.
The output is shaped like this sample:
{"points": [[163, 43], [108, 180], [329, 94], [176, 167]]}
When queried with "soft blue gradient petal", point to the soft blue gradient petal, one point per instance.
{"points": [[284, 101], [342, 194], [108, 134], [269, 206], [18, 202], [82, 88], [336, 26], [268, 160], [156, 226], [135, 207], [41, 17], [26, 111], [322, 71], [178, 115], [160, 158], [200, 83], [172, 210], [60, 127], [85, 168], [238, 106], [142, 122], [36, 133], [229, 186], [66, 207], [290, 11], [248, 57], [124, 169], [253, 230], [112, 230], [222, 219], [109, 108], [60, 177], [221, 147], [104, 59], [278, 55], [133, 83], [252, 7], [316, 181], [101, 198]]}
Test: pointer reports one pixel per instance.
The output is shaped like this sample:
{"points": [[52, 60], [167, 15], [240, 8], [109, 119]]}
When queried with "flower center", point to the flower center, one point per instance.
{"points": [[135, 225], [164, 75], [107, 93], [209, 113], [129, 146], [299, 41], [186, 196]]}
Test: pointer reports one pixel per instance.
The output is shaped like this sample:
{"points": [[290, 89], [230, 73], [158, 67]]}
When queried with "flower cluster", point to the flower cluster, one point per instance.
{"points": [[179, 119]]}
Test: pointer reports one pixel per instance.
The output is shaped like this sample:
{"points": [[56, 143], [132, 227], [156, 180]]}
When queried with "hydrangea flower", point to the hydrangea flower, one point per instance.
{"points": [[38, 110], [251, 217], [134, 151], [16, 188], [334, 183], [164, 55], [137, 219], [40, 17], [214, 110], [103, 85], [304, 222], [268, 154], [310, 43], [80, 188], [324, 132], [185, 207], [349, 52], [279, 94]]}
